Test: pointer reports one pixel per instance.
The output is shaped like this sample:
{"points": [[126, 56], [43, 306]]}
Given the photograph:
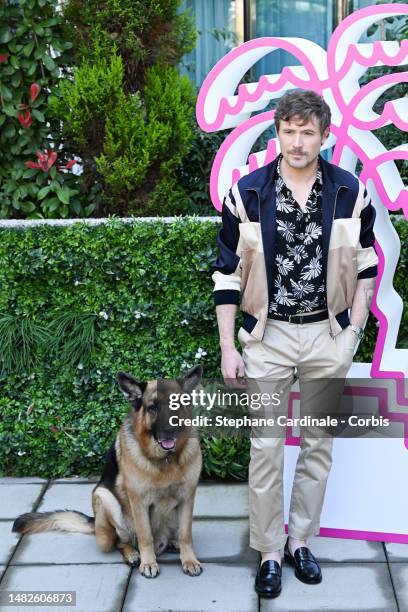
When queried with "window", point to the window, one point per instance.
{"points": [[223, 24], [312, 19], [217, 25]]}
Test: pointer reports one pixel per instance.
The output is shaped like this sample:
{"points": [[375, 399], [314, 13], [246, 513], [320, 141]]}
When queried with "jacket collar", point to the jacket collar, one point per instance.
{"points": [[262, 179]]}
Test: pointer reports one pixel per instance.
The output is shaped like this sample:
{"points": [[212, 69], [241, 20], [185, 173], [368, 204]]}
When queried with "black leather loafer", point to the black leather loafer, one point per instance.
{"points": [[307, 568], [268, 579]]}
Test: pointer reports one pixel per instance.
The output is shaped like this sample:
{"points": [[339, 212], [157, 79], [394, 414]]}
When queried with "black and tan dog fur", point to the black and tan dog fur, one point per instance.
{"points": [[143, 503]]}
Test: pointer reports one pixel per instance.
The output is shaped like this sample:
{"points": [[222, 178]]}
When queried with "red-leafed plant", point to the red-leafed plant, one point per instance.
{"points": [[46, 160], [35, 51]]}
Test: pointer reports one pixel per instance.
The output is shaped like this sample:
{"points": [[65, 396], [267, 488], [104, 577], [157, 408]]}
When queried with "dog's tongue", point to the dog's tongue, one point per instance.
{"points": [[168, 443]]}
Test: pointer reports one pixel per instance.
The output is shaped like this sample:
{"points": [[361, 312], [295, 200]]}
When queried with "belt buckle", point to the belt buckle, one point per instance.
{"points": [[301, 320]]}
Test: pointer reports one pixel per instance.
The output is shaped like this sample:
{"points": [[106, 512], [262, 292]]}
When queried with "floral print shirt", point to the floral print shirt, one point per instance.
{"points": [[298, 268]]}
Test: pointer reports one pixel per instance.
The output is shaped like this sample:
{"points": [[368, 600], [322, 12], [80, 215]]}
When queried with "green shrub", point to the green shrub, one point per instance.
{"points": [[144, 32], [92, 300], [167, 198], [194, 172], [134, 141], [127, 111], [88, 100]]}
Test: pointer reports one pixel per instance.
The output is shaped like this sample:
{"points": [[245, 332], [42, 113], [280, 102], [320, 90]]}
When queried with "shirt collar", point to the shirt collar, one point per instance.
{"points": [[319, 178]]}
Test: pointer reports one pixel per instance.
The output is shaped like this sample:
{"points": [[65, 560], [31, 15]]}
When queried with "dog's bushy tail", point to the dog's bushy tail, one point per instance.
{"points": [[59, 520]]}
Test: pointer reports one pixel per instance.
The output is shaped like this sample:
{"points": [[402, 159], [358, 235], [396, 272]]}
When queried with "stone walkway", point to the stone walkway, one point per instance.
{"points": [[358, 575]]}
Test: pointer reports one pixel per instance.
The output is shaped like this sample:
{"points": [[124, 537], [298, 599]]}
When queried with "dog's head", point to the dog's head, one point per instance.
{"points": [[151, 403]]}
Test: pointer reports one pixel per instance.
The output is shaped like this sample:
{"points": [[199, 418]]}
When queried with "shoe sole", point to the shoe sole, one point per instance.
{"points": [[268, 595], [291, 561]]}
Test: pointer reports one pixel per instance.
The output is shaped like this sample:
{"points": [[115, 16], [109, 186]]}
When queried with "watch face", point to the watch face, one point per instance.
{"points": [[358, 331]]}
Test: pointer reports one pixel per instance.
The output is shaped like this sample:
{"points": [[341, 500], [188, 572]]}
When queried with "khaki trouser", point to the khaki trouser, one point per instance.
{"points": [[271, 363]]}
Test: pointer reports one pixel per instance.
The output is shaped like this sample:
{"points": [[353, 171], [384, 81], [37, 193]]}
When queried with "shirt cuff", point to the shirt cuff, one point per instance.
{"points": [[370, 272], [226, 296]]}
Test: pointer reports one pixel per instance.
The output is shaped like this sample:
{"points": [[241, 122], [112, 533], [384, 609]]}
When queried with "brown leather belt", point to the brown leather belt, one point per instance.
{"points": [[301, 319]]}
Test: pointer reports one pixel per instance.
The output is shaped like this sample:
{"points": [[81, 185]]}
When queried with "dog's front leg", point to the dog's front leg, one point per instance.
{"points": [[140, 513], [189, 561]]}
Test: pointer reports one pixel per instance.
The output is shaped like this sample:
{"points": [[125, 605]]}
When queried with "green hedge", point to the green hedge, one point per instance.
{"points": [[80, 302]]}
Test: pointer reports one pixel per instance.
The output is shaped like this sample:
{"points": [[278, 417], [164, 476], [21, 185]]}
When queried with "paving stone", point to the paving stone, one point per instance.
{"points": [[220, 588], [397, 553], [76, 480], [339, 549], [62, 548], [221, 541], [70, 496], [99, 588], [18, 498], [27, 480], [345, 587], [213, 541], [8, 540], [399, 572], [222, 500]]}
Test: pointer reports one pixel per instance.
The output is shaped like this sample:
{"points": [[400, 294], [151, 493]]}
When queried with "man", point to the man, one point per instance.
{"points": [[296, 252]]}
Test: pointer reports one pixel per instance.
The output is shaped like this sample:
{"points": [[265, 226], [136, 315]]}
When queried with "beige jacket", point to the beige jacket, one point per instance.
{"points": [[243, 271]]}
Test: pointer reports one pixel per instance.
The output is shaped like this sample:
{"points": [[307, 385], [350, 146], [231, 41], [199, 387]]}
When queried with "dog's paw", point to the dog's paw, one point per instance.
{"points": [[149, 569], [192, 567], [132, 558]]}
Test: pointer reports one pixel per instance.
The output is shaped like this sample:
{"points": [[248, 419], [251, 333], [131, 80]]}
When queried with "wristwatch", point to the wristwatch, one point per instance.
{"points": [[359, 331]]}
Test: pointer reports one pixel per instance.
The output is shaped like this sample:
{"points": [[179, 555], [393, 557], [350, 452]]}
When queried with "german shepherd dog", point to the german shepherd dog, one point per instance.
{"points": [[143, 503]]}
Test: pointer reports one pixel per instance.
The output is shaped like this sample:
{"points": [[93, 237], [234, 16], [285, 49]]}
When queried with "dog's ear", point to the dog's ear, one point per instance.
{"points": [[132, 389], [191, 379]]}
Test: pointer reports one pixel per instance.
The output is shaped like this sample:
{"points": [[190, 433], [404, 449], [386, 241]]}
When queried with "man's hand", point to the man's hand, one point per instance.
{"points": [[232, 364], [232, 367]]}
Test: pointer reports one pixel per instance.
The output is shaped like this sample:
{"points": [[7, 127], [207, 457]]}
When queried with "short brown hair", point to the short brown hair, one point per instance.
{"points": [[303, 104]]}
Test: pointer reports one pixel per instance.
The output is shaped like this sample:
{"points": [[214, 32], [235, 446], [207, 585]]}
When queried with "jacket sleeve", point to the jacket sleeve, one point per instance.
{"points": [[367, 258], [227, 269]]}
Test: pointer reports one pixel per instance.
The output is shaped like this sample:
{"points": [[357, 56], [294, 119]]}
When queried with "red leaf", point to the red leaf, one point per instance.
{"points": [[34, 91], [25, 120], [52, 158], [46, 160], [32, 165], [3, 58]]}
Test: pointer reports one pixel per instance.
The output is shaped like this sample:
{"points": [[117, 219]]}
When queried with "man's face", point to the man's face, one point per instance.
{"points": [[300, 143]]}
